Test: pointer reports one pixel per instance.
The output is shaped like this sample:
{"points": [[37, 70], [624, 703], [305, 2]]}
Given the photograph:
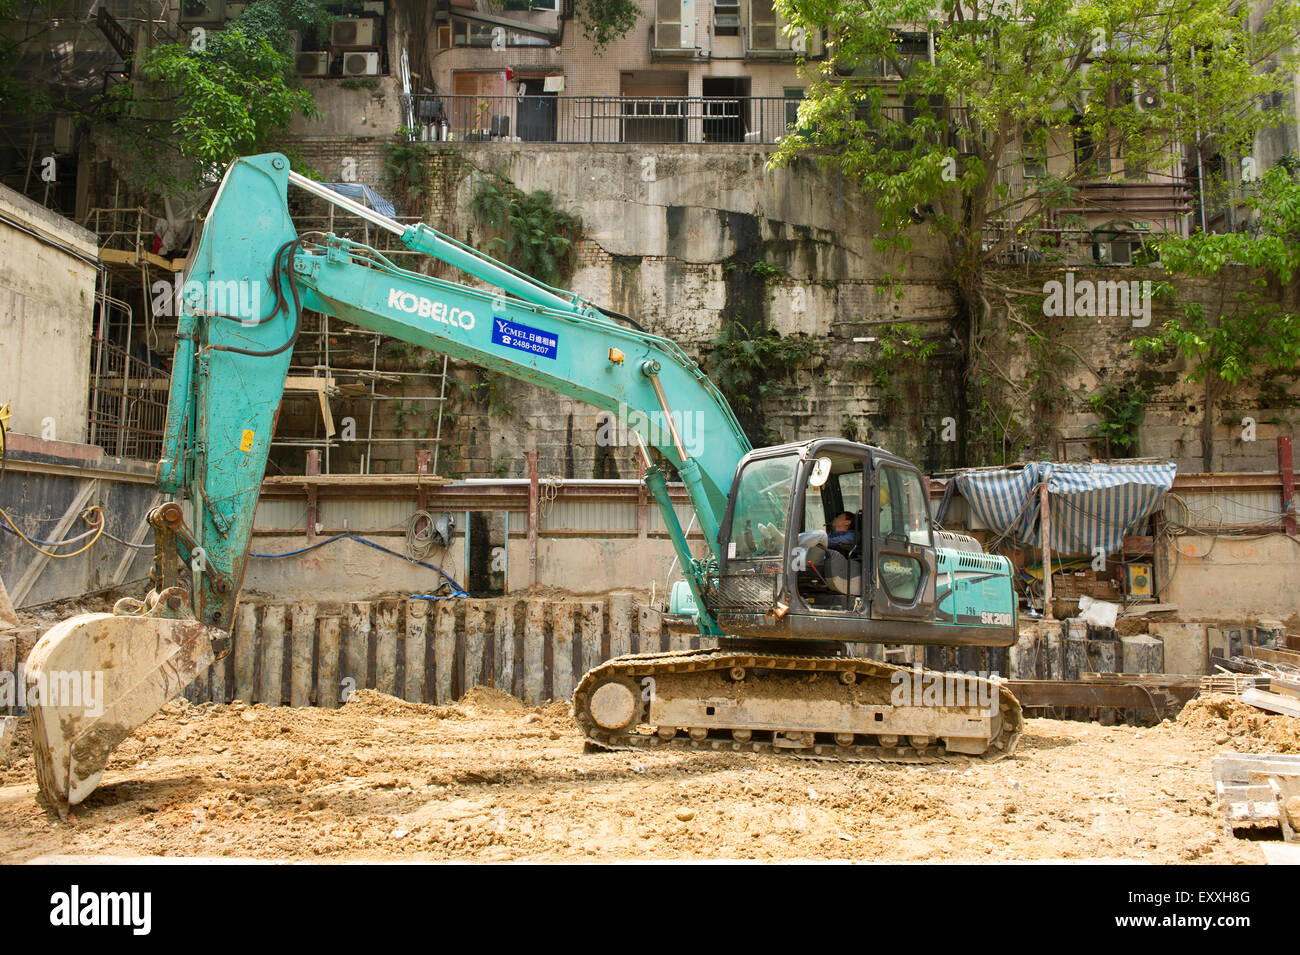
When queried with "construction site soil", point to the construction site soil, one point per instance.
{"points": [[489, 779]]}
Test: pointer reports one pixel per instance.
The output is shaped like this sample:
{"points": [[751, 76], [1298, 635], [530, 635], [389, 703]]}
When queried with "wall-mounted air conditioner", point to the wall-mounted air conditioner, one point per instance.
{"points": [[361, 64], [199, 12], [674, 25], [351, 31], [1146, 97], [313, 63]]}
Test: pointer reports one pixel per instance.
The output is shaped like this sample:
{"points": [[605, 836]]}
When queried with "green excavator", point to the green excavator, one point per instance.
{"points": [[810, 546]]}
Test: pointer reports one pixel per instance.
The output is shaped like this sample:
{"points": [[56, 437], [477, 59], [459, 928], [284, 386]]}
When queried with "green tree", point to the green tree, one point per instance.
{"points": [[604, 21], [977, 144], [193, 107], [1242, 333]]}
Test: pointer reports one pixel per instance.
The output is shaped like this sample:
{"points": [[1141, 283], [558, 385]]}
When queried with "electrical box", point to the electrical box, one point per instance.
{"points": [[1140, 581]]}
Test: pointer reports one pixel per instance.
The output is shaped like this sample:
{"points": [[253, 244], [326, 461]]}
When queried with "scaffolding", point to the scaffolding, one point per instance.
{"points": [[130, 352]]}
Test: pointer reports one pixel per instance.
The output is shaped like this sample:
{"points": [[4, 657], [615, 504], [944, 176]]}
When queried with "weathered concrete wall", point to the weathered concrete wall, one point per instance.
{"points": [[1089, 351], [348, 570], [1234, 579], [40, 503], [47, 299], [692, 239]]}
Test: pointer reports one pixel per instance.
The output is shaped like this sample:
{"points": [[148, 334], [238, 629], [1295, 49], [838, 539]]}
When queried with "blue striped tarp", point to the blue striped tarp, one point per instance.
{"points": [[1093, 505]]}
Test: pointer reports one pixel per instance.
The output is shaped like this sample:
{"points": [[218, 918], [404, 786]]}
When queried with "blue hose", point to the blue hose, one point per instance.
{"points": [[458, 590]]}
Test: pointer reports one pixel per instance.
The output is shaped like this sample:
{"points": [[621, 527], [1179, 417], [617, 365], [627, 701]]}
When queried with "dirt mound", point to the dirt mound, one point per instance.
{"points": [[490, 700], [374, 703], [1228, 716]]}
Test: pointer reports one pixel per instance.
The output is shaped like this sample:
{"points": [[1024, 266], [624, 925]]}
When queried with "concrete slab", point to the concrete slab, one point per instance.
{"points": [[1184, 646]]}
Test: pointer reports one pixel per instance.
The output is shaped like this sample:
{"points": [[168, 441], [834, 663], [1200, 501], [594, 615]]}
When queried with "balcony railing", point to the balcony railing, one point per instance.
{"points": [[760, 120]]}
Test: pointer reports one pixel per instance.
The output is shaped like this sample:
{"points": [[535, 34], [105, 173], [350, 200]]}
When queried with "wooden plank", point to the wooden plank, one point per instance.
{"points": [[327, 673], [356, 655], [621, 609], [476, 631], [534, 651], [1271, 656], [444, 651], [650, 630], [245, 650], [302, 647], [386, 646], [271, 686], [507, 677], [1273, 702], [591, 623], [562, 676], [417, 642]]}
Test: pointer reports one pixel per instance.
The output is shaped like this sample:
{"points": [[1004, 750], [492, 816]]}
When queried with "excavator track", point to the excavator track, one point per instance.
{"points": [[809, 707]]}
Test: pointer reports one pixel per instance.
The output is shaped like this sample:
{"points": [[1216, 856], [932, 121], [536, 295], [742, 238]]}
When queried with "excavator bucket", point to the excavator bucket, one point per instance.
{"points": [[92, 679]]}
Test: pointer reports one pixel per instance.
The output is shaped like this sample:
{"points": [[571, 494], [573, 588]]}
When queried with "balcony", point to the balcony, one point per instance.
{"points": [[754, 120]]}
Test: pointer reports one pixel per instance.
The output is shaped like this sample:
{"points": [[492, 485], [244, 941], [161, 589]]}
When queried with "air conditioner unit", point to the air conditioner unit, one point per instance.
{"points": [[351, 31], [1146, 97], [314, 63], [201, 12], [1121, 252], [361, 64]]}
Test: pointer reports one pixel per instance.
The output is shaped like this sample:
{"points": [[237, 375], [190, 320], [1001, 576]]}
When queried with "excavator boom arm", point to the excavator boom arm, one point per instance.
{"points": [[229, 368]]}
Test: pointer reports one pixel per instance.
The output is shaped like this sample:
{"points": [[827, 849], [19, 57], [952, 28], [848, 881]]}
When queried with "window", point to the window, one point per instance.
{"points": [[726, 18], [762, 503], [904, 509], [793, 97], [904, 517], [1032, 155], [764, 29]]}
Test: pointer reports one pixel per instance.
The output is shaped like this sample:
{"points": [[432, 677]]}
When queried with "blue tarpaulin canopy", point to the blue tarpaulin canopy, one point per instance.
{"points": [[1093, 505], [356, 190]]}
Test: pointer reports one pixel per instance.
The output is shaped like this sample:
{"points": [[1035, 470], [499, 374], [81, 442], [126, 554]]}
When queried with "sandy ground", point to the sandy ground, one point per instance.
{"points": [[490, 780]]}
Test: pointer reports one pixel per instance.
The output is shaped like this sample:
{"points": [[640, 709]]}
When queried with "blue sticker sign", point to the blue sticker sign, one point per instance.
{"points": [[525, 338]]}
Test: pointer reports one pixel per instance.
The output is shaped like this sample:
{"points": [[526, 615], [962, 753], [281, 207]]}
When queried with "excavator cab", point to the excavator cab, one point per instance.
{"points": [[830, 541]]}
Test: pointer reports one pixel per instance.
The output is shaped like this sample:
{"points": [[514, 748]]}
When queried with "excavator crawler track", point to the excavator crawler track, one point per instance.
{"points": [[809, 707]]}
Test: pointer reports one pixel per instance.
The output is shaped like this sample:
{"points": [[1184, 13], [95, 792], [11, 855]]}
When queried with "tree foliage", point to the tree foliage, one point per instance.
{"points": [[1238, 335], [530, 233], [604, 21], [192, 108], [989, 138]]}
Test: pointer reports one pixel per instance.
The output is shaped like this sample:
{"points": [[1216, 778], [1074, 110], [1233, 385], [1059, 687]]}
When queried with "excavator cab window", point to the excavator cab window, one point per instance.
{"points": [[904, 546], [762, 505]]}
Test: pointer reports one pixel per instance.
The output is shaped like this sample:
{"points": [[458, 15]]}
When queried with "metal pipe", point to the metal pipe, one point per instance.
{"points": [[651, 370]]}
